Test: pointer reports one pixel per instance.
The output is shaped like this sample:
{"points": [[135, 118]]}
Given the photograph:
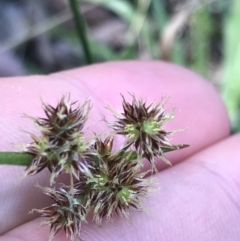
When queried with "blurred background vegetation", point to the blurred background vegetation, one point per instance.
{"points": [[203, 35]]}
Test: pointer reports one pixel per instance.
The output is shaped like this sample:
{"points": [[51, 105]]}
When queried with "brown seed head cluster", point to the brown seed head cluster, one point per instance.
{"points": [[66, 212], [112, 183], [142, 125], [61, 144], [102, 181]]}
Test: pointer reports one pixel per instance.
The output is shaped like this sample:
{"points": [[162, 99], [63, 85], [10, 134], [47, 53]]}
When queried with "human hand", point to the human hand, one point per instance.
{"points": [[198, 197]]}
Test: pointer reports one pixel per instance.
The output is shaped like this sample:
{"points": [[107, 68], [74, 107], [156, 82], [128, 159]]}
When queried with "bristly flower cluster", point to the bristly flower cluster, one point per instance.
{"points": [[66, 212], [112, 183], [102, 181], [61, 144], [108, 183], [142, 125]]}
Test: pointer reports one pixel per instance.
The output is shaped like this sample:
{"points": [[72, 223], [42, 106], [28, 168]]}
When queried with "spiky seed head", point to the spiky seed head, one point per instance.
{"points": [[57, 159], [43, 152], [142, 125], [112, 184], [66, 212], [64, 121], [61, 145]]}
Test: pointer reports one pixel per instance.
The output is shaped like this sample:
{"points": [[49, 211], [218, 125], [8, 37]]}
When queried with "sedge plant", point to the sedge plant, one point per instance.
{"points": [[102, 181]]}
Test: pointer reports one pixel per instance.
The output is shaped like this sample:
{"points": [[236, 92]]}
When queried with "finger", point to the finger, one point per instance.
{"points": [[197, 200], [198, 104], [199, 109]]}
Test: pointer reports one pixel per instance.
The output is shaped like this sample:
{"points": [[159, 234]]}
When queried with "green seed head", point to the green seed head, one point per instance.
{"points": [[132, 131], [151, 127], [124, 195]]}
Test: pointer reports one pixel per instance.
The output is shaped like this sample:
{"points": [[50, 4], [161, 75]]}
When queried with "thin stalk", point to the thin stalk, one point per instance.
{"points": [[15, 158], [81, 30]]}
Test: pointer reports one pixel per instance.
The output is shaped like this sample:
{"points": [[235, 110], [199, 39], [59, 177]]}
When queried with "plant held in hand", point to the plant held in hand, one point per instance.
{"points": [[102, 181]]}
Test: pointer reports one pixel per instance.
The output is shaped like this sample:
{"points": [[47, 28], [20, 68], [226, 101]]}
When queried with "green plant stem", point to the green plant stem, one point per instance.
{"points": [[15, 158], [81, 30]]}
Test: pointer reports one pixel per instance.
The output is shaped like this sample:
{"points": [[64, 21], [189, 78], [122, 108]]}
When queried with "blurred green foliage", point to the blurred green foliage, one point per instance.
{"points": [[231, 64]]}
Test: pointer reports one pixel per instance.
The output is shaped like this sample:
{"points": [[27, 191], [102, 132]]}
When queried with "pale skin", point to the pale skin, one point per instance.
{"points": [[198, 198]]}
